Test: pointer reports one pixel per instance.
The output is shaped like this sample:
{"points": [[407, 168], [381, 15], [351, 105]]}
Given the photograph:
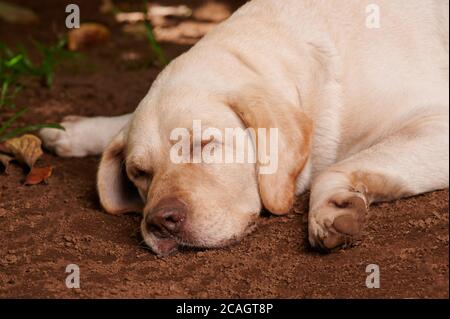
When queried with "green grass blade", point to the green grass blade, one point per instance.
{"points": [[14, 61], [29, 128], [12, 119], [3, 93], [157, 49]]}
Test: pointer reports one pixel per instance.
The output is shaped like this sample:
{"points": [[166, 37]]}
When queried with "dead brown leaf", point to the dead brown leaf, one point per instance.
{"points": [[5, 160], [26, 149], [38, 175], [3, 148], [107, 6], [13, 13], [212, 12], [180, 11], [188, 32], [156, 13], [87, 34]]}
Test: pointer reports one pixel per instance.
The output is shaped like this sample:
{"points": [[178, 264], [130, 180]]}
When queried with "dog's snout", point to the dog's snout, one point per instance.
{"points": [[166, 218]]}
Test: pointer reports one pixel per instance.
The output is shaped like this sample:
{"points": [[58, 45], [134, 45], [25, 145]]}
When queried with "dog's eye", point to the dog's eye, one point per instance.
{"points": [[136, 173], [205, 142]]}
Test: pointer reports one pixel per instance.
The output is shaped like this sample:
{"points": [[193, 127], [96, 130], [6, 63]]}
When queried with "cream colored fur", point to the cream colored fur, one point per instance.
{"points": [[378, 100]]}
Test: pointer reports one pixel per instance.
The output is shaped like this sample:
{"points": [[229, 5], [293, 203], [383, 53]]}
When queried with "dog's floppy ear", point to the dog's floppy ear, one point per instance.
{"points": [[258, 108], [117, 193]]}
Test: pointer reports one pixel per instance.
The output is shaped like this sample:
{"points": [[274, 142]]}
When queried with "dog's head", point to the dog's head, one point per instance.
{"points": [[173, 163]]}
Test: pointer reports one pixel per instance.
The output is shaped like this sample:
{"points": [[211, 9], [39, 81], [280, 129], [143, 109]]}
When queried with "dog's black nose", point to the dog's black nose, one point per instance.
{"points": [[167, 218]]}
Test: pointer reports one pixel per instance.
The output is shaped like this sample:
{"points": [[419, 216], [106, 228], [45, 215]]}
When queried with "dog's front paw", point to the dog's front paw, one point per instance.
{"points": [[338, 222], [67, 143]]}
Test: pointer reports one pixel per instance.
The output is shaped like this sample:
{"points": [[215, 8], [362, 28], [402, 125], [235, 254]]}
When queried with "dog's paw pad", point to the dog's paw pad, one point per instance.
{"points": [[333, 240], [347, 224], [338, 223]]}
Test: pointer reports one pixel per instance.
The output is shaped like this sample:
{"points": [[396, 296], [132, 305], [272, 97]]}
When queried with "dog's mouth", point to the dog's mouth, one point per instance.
{"points": [[164, 244]]}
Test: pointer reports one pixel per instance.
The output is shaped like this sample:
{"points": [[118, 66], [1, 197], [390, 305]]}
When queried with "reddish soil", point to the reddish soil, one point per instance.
{"points": [[44, 228]]}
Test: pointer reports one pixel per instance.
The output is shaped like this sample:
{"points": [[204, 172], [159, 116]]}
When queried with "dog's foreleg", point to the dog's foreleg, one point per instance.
{"points": [[412, 161], [83, 136]]}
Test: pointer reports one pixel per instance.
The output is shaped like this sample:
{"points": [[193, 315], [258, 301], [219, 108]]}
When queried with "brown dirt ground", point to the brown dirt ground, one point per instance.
{"points": [[46, 227]]}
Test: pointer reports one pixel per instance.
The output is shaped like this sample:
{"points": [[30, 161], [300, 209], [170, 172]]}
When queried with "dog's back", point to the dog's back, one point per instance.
{"points": [[388, 56]]}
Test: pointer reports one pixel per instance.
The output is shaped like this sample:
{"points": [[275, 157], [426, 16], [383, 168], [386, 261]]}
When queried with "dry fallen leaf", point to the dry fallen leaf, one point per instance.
{"points": [[87, 34], [13, 13], [180, 11], [5, 160], [26, 149], [156, 14], [212, 11], [188, 32], [3, 148], [107, 6], [38, 175]]}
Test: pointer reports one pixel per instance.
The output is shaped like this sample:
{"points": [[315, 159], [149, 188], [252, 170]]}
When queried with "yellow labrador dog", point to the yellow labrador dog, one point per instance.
{"points": [[357, 92]]}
